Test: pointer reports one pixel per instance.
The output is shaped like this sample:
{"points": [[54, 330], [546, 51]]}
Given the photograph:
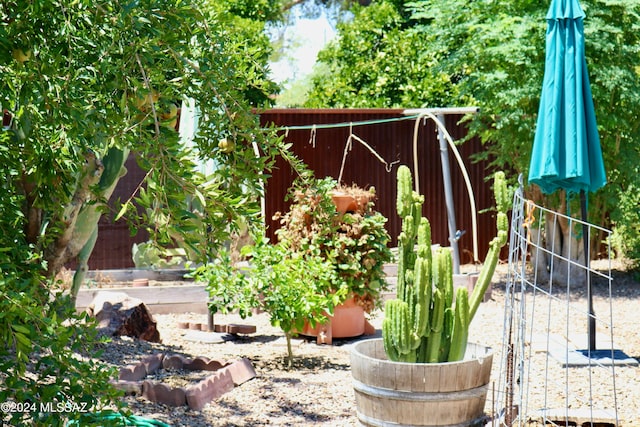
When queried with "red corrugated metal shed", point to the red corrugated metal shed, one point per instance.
{"points": [[322, 149], [390, 135]]}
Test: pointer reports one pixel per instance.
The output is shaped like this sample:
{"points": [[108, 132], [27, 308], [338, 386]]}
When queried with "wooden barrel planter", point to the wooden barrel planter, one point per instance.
{"points": [[449, 394]]}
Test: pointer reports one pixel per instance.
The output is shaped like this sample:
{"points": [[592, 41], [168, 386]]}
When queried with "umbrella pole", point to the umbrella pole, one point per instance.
{"points": [[587, 259]]}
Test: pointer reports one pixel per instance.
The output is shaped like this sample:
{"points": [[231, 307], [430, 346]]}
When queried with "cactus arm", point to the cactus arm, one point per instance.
{"points": [[412, 301], [500, 191], [423, 297], [405, 189], [484, 279], [421, 354], [445, 274], [400, 341], [409, 357], [437, 324], [502, 222], [387, 338], [401, 270], [416, 213], [493, 254], [445, 336], [395, 326], [443, 282], [460, 333], [409, 229], [402, 326], [408, 286], [424, 239]]}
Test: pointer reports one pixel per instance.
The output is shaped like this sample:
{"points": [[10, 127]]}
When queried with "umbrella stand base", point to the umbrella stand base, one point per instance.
{"points": [[576, 416], [578, 358]]}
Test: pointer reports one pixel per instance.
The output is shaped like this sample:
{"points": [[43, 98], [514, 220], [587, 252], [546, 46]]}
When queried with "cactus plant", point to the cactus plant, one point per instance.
{"points": [[426, 322]]}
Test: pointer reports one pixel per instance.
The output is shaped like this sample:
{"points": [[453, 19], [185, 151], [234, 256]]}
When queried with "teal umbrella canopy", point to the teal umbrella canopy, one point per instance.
{"points": [[566, 149]]}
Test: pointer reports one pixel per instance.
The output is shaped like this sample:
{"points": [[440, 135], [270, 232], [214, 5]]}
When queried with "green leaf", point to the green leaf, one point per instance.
{"points": [[21, 329], [122, 211], [22, 339]]}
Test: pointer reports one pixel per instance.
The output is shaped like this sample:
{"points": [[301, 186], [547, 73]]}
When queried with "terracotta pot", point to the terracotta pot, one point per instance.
{"points": [[344, 202], [347, 321]]}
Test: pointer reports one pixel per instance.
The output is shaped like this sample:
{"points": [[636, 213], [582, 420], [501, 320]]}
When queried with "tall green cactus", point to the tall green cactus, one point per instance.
{"points": [[427, 322]]}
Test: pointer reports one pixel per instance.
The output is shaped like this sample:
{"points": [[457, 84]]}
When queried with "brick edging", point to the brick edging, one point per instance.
{"points": [[225, 376]]}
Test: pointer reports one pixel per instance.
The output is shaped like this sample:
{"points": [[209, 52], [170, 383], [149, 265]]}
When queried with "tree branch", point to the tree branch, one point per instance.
{"points": [[57, 254]]}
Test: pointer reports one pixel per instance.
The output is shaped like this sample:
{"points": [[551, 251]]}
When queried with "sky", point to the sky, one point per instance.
{"points": [[303, 39]]}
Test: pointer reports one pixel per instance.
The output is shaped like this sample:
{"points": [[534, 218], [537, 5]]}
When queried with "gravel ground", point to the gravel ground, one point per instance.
{"points": [[318, 391]]}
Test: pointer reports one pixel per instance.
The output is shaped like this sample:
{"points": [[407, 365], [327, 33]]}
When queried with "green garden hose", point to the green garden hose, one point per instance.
{"points": [[125, 420]]}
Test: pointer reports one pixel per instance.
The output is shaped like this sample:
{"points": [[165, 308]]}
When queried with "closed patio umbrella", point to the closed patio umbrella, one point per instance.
{"points": [[566, 149]]}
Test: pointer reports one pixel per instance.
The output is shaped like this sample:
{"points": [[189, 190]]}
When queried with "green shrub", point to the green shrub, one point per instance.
{"points": [[626, 230], [47, 352]]}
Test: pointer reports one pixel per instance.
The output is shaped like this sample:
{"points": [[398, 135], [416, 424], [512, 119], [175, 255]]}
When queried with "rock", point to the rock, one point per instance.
{"points": [[119, 314]]}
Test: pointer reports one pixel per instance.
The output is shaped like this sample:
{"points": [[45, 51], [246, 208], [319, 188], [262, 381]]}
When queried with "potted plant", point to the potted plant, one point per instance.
{"points": [[352, 198], [423, 371], [292, 288], [321, 260], [351, 237]]}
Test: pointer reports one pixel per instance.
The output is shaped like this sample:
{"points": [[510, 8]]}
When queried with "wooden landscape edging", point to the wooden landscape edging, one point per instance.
{"points": [[162, 299], [192, 298]]}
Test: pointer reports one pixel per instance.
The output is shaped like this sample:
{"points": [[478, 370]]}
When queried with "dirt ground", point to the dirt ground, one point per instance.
{"points": [[317, 391]]}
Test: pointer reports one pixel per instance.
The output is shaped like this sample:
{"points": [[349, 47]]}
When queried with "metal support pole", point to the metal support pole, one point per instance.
{"points": [[448, 197], [587, 261]]}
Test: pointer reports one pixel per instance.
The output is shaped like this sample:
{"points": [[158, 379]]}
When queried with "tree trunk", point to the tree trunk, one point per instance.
{"points": [[96, 183], [557, 248], [118, 314]]}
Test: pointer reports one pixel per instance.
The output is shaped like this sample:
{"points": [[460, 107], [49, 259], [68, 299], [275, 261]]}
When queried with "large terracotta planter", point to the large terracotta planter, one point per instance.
{"points": [[348, 321], [449, 394]]}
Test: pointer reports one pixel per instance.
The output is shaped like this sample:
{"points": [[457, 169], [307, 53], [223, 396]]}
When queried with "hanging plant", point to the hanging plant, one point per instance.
{"points": [[354, 241]]}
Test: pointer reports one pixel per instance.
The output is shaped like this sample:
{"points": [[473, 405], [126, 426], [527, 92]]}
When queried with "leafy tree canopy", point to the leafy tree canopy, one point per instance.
{"points": [[111, 78], [428, 53], [84, 84]]}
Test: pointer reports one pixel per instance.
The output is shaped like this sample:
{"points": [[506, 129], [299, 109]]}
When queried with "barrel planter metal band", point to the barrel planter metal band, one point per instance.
{"points": [[420, 394]]}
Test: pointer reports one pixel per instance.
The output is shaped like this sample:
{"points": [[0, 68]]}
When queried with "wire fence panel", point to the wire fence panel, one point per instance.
{"points": [[550, 374]]}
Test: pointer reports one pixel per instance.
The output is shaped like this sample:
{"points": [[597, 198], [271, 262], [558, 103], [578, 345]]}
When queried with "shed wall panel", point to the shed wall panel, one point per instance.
{"points": [[322, 149]]}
